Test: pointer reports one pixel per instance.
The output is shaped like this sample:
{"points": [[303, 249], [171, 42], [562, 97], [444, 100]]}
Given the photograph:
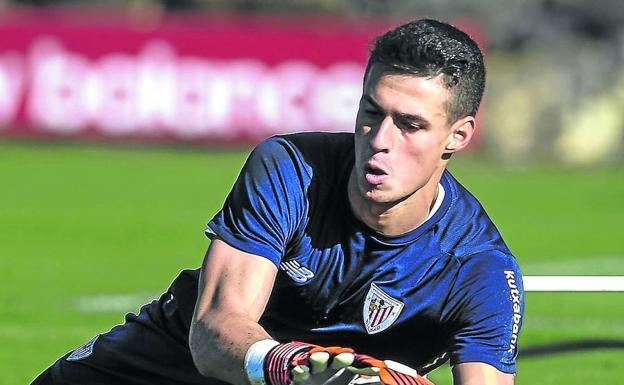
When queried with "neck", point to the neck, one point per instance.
{"points": [[396, 217]]}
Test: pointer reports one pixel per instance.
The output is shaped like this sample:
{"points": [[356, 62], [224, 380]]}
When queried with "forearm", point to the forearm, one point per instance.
{"points": [[219, 342], [234, 288]]}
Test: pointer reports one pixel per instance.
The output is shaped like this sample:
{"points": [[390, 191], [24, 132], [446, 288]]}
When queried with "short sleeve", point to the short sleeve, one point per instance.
{"points": [[486, 309], [266, 204]]}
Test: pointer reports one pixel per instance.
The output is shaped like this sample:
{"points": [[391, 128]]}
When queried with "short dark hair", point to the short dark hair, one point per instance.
{"points": [[429, 48]]}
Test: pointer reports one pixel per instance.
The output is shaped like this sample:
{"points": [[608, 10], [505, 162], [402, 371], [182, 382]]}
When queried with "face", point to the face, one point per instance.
{"points": [[402, 135]]}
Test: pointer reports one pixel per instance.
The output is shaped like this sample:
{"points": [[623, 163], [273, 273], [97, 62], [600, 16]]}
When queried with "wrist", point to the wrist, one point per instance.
{"points": [[279, 361], [255, 360]]}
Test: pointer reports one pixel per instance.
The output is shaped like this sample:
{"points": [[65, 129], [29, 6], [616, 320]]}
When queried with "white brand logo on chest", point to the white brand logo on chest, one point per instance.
{"points": [[296, 271], [380, 310], [84, 351]]}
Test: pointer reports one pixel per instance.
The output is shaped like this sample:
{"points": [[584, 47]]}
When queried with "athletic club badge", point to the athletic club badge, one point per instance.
{"points": [[380, 310]]}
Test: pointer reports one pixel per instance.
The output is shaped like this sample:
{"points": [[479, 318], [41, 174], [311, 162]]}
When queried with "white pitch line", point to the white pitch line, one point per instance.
{"points": [[127, 302], [113, 303], [557, 283]]}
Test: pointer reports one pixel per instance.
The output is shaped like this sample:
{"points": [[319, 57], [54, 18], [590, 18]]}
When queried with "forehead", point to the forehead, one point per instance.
{"points": [[406, 91]]}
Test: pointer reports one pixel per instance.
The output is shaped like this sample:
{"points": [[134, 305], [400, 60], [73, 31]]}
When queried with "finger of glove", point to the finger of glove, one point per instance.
{"points": [[342, 360], [366, 370], [300, 374], [319, 367], [310, 378], [332, 350], [300, 359], [319, 362], [362, 360], [320, 353]]}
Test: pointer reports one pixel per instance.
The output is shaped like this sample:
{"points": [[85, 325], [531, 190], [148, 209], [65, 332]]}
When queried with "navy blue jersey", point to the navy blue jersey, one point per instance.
{"points": [[450, 288]]}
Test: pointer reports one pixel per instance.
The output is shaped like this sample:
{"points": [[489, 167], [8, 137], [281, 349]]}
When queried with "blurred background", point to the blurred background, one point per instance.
{"points": [[123, 125], [556, 78]]}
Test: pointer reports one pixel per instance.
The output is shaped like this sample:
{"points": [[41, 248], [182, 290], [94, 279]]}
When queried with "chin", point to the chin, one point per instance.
{"points": [[380, 197]]}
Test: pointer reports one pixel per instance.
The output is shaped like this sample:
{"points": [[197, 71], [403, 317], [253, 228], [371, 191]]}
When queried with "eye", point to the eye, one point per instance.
{"points": [[408, 126]]}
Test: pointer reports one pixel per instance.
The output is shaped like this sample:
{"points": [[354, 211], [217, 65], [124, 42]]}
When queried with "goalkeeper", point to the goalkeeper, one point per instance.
{"points": [[341, 258]]}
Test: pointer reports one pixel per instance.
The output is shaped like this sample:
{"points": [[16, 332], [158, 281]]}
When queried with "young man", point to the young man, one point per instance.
{"points": [[360, 245]]}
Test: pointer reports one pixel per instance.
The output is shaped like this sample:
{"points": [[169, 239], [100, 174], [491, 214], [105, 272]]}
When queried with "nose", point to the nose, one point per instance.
{"points": [[381, 135]]}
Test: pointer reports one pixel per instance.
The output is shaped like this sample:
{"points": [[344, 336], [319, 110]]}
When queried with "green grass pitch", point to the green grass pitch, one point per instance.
{"points": [[89, 232]]}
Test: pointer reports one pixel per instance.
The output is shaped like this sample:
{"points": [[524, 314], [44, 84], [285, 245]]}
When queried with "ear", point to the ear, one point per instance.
{"points": [[461, 134]]}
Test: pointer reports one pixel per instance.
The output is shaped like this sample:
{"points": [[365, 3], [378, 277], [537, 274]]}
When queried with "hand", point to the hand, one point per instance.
{"points": [[319, 364], [298, 363], [389, 372]]}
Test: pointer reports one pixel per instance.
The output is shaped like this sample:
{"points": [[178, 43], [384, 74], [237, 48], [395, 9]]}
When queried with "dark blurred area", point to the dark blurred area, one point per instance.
{"points": [[556, 67]]}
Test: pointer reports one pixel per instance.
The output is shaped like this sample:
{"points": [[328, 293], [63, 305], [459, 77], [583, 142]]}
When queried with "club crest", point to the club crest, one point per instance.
{"points": [[380, 310]]}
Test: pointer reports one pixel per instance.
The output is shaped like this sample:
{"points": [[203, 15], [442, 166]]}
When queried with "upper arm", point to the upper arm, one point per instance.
{"points": [[249, 237], [267, 204], [252, 231], [478, 373], [486, 307], [234, 282]]}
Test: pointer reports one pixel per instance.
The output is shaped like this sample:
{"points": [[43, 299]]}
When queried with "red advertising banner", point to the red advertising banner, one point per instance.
{"points": [[207, 78]]}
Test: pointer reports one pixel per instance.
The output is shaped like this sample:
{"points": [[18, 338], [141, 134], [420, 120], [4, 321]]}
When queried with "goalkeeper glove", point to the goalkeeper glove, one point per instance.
{"points": [[301, 363], [389, 372]]}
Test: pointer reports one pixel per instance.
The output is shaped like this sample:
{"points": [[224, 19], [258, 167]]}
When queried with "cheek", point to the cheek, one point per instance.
{"points": [[428, 146], [422, 155], [422, 148]]}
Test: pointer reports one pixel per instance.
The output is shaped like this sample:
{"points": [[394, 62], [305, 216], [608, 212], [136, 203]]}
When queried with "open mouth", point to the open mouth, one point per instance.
{"points": [[375, 175], [374, 170]]}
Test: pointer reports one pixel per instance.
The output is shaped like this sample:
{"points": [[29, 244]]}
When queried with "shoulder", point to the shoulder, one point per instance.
{"points": [[314, 149], [311, 141], [318, 147], [489, 267], [466, 228], [487, 283], [311, 156]]}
